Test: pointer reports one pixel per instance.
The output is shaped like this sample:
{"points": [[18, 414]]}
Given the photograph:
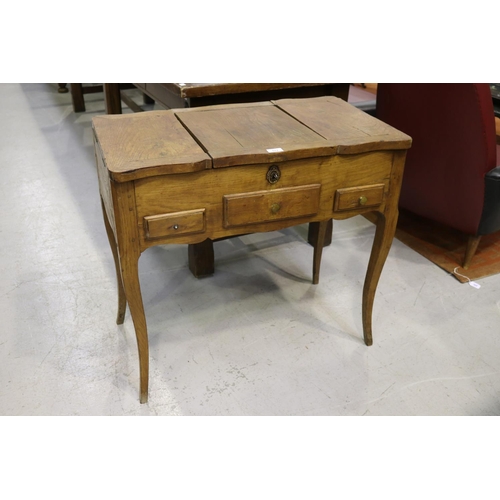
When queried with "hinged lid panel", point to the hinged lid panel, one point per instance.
{"points": [[239, 134], [147, 144], [345, 127]]}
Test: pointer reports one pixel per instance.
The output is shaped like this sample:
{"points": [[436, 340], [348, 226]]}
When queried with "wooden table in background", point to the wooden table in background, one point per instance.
{"points": [[188, 175], [190, 95]]}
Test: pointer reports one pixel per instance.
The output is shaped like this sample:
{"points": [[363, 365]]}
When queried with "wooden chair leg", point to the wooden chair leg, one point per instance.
{"points": [[472, 244], [112, 98], [77, 97]]}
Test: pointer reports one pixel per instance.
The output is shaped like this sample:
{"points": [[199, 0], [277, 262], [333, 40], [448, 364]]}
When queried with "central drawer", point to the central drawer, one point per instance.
{"points": [[264, 206]]}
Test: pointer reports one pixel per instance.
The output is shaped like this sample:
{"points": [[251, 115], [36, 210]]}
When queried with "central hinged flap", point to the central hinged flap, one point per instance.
{"points": [[240, 134]]}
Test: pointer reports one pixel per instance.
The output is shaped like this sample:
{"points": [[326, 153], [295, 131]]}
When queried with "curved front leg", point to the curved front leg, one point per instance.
{"points": [[122, 301], [127, 237], [130, 275], [384, 234]]}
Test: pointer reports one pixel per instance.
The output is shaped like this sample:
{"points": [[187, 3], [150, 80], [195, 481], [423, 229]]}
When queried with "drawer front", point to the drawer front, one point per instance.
{"points": [[174, 224], [264, 206], [358, 197]]}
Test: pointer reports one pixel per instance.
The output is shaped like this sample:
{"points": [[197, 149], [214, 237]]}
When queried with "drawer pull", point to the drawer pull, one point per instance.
{"points": [[360, 197], [275, 208], [176, 226]]}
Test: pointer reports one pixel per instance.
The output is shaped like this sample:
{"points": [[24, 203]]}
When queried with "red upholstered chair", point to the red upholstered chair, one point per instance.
{"points": [[451, 173]]}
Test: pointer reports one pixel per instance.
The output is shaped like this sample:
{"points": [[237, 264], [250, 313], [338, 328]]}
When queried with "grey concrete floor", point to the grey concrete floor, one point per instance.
{"points": [[257, 338]]}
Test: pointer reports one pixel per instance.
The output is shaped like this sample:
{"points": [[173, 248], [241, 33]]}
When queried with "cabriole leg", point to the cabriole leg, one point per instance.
{"points": [[130, 276], [122, 301], [384, 234]]}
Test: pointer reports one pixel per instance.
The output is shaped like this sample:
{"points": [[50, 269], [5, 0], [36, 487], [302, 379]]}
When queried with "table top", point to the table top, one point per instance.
{"points": [[188, 90], [188, 140]]}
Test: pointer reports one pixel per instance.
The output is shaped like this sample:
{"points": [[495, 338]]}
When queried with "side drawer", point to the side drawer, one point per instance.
{"points": [[174, 224], [358, 197], [264, 206]]}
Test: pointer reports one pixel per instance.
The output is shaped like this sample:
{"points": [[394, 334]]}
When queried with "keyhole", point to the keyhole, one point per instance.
{"points": [[273, 174]]}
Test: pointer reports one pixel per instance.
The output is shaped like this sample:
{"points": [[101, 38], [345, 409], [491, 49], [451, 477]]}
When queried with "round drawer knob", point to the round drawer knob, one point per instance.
{"points": [[275, 208], [176, 226], [363, 200]]}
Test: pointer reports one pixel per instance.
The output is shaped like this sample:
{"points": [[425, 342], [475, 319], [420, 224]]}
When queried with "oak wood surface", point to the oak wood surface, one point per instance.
{"points": [[340, 124], [386, 222], [268, 206], [359, 196], [172, 224], [251, 134], [161, 142], [122, 301], [127, 238], [156, 195], [146, 144]]}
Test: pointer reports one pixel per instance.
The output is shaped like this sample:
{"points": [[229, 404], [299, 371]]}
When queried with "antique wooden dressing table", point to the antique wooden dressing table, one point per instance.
{"points": [[182, 176]]}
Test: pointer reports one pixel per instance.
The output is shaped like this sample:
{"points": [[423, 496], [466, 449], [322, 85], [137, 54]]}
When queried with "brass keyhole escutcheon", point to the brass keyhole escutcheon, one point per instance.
{"points": [[273, 174], [275, 208], [363, 200]]}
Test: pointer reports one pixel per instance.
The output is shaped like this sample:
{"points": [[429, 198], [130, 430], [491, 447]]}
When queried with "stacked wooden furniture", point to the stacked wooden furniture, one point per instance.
{"points": [[185, 176]]}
